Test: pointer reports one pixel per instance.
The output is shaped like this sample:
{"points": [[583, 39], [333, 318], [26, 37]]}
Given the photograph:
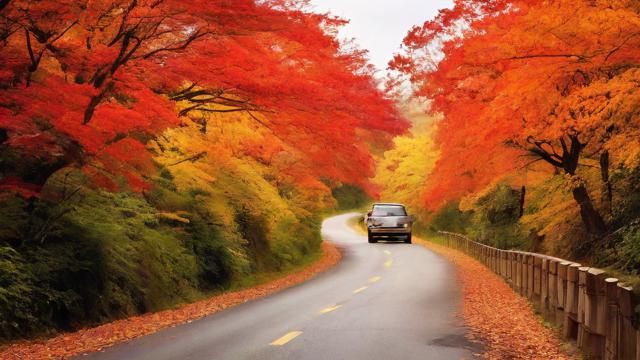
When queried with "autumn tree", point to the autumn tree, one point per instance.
{"points": [[553, 80], [405, 169], [91, 85]]}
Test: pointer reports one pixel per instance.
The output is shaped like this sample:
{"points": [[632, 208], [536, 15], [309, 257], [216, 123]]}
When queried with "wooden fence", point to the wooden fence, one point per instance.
{"points": [[593, 309]]}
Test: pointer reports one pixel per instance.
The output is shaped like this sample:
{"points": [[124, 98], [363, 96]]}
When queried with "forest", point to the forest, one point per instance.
{"points": [[153, 152], [531, 138]]}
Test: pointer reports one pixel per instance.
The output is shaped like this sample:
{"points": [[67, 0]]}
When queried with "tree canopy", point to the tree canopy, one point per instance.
{"points": [[523, 81]]}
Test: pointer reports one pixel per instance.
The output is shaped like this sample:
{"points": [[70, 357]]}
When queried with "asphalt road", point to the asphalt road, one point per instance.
{"points": [[383, 301]]}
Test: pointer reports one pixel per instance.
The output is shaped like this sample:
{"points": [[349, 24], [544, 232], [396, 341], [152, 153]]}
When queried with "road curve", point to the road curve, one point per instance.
{"points": [[383, 301]]}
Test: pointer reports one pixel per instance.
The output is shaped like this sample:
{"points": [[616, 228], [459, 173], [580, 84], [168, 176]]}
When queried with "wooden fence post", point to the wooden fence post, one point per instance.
{"points": [[487, 256], [505, 264], [563, 268], [510, 267], [580, 315], [530, 276], [596, 311], [537, 278], [518, 272], [627, 333], [494, 260], [544, 285], [595, 308], [570, 324], [525, 274], [552, 284], [612, 320]]}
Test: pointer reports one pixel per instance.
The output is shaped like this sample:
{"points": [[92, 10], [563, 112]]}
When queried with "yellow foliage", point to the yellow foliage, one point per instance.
{"points": [[223, 161], [404, 170]]}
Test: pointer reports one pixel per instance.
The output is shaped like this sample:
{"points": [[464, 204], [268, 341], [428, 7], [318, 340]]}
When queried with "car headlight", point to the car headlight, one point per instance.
{"points": [[405, 225]]}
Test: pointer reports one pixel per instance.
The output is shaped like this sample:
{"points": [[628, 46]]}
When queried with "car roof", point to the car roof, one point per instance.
{"points": [[387, 204]]}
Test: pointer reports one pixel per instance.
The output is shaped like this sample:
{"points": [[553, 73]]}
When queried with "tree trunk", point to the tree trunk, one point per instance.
{"points": [[607, 192], [568, 161], [523, 193], [590, 216], [93, 104], [91, 108]]}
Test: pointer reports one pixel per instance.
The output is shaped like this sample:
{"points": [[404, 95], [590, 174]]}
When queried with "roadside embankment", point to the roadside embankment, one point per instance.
{"points": [[94, 339]]}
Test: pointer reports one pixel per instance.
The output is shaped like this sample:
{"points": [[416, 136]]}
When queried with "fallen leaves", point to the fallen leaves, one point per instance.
{"points": [[502, 319], [95, 339]]}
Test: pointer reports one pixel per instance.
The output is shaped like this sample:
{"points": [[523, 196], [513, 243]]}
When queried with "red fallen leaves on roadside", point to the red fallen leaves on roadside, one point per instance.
{"points": [[502, 319], [94, 339]]}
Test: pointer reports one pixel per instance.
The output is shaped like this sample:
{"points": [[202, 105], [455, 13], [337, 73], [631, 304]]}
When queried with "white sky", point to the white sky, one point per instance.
{"points": [[380, 25]]}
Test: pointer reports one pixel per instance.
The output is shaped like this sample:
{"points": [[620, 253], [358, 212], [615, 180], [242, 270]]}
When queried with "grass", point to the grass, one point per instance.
{"points": [[434, 238], [265, 277]]}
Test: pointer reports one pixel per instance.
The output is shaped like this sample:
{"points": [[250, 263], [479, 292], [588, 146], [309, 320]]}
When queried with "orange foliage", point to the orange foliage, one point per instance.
{"points": [[90, 85], [526, 81]]}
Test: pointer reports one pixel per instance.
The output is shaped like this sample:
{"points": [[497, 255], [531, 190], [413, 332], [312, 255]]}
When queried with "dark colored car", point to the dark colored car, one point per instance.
{"points": [[389, 221]]}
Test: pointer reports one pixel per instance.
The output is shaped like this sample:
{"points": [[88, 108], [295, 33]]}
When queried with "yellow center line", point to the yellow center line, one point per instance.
{"points": [[285, 339], [360, 289], [330, 309], [388, 263], [387, 252], [374, 279]]}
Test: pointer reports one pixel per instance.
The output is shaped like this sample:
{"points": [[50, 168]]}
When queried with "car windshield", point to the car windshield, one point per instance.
{"points": [[387, 210]]}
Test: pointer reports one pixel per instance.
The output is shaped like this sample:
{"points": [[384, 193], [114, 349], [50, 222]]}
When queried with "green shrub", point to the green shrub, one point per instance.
{"points": [[451, 219], [620, 250], [495, 219], [254, 229], [294, 240], [71, 261], [626, 199], [16, 287], [350, 197], [624, 255]]}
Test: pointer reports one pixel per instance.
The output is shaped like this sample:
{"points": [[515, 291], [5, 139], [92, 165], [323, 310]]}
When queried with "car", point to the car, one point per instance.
{"points": [[389, 221]]}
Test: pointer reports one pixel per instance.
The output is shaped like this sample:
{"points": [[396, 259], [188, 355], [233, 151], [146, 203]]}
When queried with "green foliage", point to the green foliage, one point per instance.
{"points": [[216, 246], [350, 197], [626, 208], [98, 255], [495, 218], [621, 249], [15, 289], [254, 228], [450, 218], [294, 240], [625, 254]]}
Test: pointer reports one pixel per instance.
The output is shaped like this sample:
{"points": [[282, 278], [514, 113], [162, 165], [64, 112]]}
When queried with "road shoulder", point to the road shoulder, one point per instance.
{"points": [[94, 339], [503, 320]]}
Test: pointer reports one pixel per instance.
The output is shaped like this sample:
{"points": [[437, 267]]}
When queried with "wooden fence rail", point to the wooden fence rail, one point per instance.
{"points": [[593, 309]]}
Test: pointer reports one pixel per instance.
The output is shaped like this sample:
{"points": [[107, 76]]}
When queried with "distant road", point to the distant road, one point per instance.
{"points": [[383, 301]]}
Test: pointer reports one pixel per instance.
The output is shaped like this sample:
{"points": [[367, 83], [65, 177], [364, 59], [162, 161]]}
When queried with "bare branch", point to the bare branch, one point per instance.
{"points": [[177, 47], [192, 158], [623, 43]]}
